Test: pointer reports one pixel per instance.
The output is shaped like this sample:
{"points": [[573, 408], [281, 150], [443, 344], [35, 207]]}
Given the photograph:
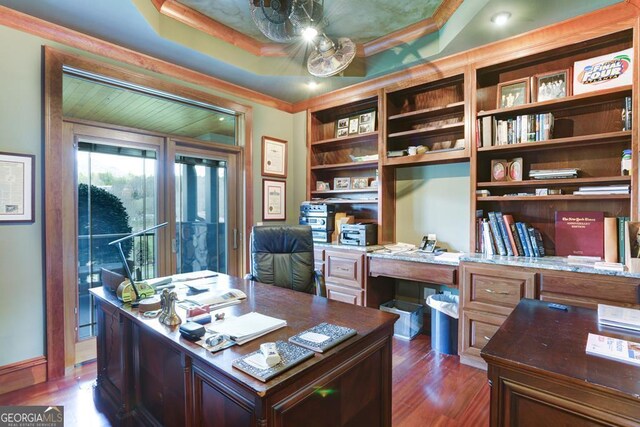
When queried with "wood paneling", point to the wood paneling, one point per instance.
{"points": [[23, 374]]}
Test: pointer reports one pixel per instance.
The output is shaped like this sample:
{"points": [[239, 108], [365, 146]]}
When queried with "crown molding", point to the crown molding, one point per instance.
{"points": [[22, 22]]}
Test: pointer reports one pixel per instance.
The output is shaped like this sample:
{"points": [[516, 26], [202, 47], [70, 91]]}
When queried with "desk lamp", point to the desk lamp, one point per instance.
{"points": [[135, 302]]}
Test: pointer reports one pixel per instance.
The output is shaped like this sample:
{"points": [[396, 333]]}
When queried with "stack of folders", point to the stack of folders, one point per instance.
{"points": [[553, 173], [602, 190], [247, 327]]}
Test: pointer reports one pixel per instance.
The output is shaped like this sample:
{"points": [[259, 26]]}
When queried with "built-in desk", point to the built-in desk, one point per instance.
{"points": [[541, 376], [149, 375]]}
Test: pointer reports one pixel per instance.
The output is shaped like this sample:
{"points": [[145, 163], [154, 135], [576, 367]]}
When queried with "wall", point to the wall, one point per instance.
{"points": [[21, 246]]}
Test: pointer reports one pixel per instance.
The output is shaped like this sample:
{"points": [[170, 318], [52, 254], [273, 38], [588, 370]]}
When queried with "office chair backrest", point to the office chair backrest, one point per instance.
{"points": [[283, 256]]}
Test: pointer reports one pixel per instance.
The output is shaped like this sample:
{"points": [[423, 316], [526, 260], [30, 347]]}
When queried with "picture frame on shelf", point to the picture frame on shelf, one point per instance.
{"points": [[513, 93], [359, 183], [342, 183], [274, 157], [342, 127], [353, 125], [551, 85], [274, 200], [367, 122], [499, 170], [17, 186], [515, 169], [322, 186]]}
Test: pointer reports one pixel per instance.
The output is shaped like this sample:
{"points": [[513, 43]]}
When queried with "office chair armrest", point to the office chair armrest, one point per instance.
{"points": [[318, 279], [249, 276]]}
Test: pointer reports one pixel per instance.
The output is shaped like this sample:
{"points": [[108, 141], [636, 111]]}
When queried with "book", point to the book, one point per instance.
{"points": [[613, 348], [619, 317], [322, 337], [539, 242], [627, 117], [516, 238], [497, 236], [504, 234], [621, 238], [579, 233], [247, 327], [534, 243], [611, 239], [487, 130], [254, 365], [486, 238], [524, 238], [508, 221]]}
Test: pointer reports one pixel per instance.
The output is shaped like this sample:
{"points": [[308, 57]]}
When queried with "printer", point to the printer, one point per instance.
{"points": [[359, 234]]}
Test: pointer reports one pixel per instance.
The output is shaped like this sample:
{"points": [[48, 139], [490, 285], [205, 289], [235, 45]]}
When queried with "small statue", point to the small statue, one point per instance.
{"points": [[169, 316]]}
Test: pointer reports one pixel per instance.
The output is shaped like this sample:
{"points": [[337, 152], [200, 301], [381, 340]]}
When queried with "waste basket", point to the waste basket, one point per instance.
{"points": [[444, 322], [410, 322]]}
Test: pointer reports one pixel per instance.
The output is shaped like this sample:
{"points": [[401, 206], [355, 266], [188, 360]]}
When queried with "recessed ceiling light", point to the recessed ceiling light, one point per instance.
{"points": [[500, 18], [312, 85], [221, 118], [309, 33]]}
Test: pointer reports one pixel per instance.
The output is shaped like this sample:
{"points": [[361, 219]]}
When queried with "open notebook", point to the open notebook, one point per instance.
{"points": [[247, 327]]}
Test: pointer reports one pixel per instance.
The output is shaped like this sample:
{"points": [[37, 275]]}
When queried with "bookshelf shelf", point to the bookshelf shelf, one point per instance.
{"points": [[351, 201], [567, 197], [582, 100], [354, 139], [353, 191], [569, 142], [432, 130], [558, 182], [430, 157], [430, 112], [347, 165]]}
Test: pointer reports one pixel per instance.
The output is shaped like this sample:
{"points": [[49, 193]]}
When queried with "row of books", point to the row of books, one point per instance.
{"points": [[626, 113], [524, 128], [500, 235]]}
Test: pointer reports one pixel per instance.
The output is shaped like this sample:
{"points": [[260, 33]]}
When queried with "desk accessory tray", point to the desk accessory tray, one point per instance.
{"points": [[290, 354], [322, 337]]}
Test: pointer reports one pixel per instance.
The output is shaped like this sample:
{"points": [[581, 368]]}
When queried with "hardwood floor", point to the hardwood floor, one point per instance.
{"points": [[429, 389]]}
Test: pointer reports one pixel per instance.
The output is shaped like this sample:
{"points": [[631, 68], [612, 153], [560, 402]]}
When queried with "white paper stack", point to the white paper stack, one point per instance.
{"points": [[247, 327], [614, 349], [619, 317]]}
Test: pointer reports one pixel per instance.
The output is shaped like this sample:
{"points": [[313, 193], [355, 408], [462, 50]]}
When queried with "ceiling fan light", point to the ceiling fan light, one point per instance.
{"points": [[309, 33], [500, 18]]}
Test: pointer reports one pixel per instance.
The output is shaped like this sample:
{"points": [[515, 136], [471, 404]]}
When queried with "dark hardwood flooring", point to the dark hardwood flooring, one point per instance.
{"points": [[429, 389]]}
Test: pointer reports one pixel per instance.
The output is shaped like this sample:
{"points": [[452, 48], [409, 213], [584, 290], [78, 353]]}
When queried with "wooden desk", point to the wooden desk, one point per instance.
{"points": [[541, 376], [149, 375]]}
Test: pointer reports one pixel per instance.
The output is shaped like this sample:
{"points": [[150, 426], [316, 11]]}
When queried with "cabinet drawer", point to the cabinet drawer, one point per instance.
{"points": [[589, 290], [410, 270], [345, 269], [476, 329], [495, 289], [318, 255], [344, 294]]}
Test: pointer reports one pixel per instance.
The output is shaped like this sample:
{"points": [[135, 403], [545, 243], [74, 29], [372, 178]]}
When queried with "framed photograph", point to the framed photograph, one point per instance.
{"points": [[274, 157], [322, 186], [367, 122], [343, 123], [342, 183], [17, 187], [515, 169], [359, 183], [342, 127], [515, 92], [499, 170], [274, 200], [342, 132], [552, 85], [353, 125]]}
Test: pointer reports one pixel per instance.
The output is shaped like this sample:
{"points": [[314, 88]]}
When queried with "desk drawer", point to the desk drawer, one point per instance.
{"points": [[476, 329], [344, 294], [589, 290], [494, 289], [418, 271], [344, 268]]}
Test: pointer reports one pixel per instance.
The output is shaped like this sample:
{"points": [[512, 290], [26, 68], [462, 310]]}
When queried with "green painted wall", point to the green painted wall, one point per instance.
{"points": [[21, 246]]}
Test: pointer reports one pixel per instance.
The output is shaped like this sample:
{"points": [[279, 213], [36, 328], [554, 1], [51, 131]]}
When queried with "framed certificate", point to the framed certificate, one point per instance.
{"points": [[274, 157], [274, 201], [17, 181]]}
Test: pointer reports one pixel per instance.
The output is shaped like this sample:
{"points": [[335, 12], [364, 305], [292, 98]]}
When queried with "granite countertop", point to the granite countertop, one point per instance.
{"points": [[369, 248], [415, 256], [547, 263]]}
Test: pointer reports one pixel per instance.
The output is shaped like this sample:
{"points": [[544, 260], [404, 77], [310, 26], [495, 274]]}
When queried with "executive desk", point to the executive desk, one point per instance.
{"points": [[541, 376], [149, 375]]}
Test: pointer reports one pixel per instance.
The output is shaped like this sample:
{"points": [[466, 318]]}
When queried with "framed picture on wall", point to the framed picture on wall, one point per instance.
{"points": [[513, 93], [274, 157], [17, 186], [274, 200]]}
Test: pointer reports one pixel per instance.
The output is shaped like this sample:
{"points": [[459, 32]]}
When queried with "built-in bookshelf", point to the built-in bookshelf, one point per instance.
{"points": [[588, 133]]}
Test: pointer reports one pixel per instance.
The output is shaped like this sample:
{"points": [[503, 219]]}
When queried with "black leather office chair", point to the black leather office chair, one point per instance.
{"points": [[283, 256]]}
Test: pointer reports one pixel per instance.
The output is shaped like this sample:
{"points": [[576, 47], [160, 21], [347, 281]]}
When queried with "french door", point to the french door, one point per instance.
{"points": [[126, 182]]}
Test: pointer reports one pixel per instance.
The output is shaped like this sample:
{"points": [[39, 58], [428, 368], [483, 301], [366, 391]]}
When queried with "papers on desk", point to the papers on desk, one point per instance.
{"points": [[247, 327], [619, 317], [614, 349], [201, 284], [449, 256], [214, 299], [193, 275], [397, 248]]}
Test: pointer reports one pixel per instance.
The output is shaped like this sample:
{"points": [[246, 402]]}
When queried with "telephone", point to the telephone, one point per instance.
{"points": [[428, 243]]}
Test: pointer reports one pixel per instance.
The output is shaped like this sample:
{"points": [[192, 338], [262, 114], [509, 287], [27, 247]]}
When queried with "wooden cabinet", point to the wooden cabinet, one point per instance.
{"points": [[345, 294], [344, 275], [488, 294], [588, 134]]}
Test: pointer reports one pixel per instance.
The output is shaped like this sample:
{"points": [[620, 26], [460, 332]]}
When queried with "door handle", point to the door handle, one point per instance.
{"points": [[235, 238], [491, 291]]}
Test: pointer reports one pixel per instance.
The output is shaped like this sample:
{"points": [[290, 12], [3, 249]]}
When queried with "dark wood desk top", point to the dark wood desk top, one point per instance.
{"points": [[301, 311], [540, 339]]}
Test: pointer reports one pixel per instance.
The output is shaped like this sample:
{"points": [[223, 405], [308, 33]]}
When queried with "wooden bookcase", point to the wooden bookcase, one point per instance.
{"points": [[430, 114], [588, 134], [351, 156]]}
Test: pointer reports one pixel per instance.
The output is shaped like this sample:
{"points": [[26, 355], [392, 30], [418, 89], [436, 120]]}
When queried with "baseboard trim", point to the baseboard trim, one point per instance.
{"points": [[23, 374]]}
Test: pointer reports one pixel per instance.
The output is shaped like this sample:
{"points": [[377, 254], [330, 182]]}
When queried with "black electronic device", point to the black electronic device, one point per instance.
{"points": [[192, 331], [321, 217], [318, 223], [320, 236], [317, 209], [359, 234], [428, 243]]}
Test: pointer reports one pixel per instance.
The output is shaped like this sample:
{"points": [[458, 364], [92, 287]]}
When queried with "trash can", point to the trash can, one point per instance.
{"points": [[410, 322], [444, 322]]}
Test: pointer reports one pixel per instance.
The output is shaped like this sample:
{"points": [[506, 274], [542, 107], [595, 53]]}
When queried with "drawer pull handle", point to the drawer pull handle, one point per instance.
{"points": [[487, 338], [491, 291]]}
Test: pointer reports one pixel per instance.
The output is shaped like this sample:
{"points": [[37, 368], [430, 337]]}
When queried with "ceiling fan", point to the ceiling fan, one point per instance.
{"points": [[285, 21]]}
